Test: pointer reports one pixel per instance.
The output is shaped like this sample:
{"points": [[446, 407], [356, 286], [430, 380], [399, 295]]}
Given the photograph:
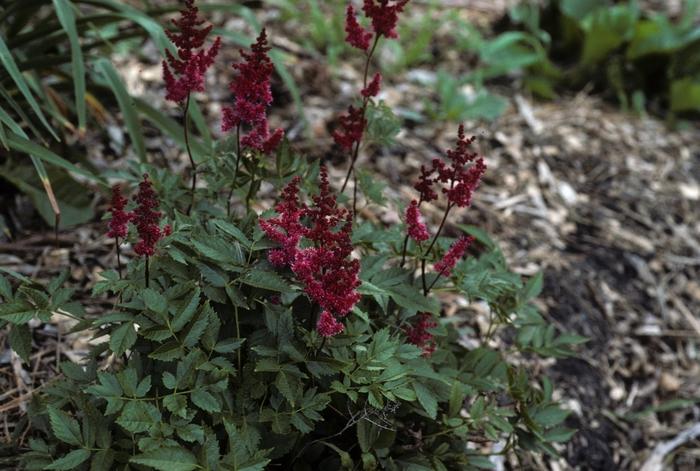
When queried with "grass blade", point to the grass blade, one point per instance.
{"points": [[154, 29], [48, 189], [64, 11], [126, 104], [22, 144], [20, 112], [3, 137], [11, 67]]}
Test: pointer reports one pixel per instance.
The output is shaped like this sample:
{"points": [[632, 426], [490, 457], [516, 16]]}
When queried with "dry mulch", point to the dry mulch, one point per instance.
{"points": [[604, 202]]}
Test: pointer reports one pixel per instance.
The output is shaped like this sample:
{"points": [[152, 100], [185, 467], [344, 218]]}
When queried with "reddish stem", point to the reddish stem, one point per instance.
{"points": [[365, 101], [430, 247], [189, 154]]}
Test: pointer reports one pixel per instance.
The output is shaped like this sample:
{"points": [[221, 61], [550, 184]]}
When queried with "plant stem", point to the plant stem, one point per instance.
{"points": [[119, 261], [189, 153], [430, 247], [364, 109], [252, 185], [238, 337], [425, 293], [146, 272], [235, 172], [354, 194]]}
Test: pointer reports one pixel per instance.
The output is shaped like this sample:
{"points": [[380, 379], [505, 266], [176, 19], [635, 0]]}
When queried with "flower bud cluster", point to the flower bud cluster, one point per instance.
{"points": [[417, 333], [457, 179], [454, 254], [145, 217], [118, 224]]}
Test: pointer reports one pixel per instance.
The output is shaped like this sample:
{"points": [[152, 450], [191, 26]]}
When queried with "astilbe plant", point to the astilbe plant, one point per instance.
{"points": [[252, 95], [184, 73], [306, 336]]}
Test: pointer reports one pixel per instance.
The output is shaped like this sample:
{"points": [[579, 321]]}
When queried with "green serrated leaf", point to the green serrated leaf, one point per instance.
{"points": [[167, 459], [154, 301], [5, 289], [410, 298], [65, 427], [167, 352], [426, 398], [205, 400], [184, 315], [265, 279], [102, 460], [122, 338], [70, 461], [139, 416], [228, 345], [20, 338]]}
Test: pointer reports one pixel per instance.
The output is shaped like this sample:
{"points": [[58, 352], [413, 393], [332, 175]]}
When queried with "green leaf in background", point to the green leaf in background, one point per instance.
{"points": [[509, 51], [685, 95], [154, 29], [66, 15], [605, 30], [486, 106], [126, 105], [579, 9]]}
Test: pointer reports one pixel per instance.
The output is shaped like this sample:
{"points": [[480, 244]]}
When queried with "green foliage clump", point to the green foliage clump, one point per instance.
{"points": [[646, 60], [217, 364]]}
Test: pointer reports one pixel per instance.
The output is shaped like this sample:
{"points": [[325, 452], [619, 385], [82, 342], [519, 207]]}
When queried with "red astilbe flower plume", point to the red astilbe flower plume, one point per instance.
{"points": [[286, 229], [418, 335], [454, 254], [416, 228], [384, 15], [352, 126], [118, 224], [323, 264], [458, 179], [328, 326], [147, 218], [372, 88], [184, 74], [356, 36], [252, 95]]}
